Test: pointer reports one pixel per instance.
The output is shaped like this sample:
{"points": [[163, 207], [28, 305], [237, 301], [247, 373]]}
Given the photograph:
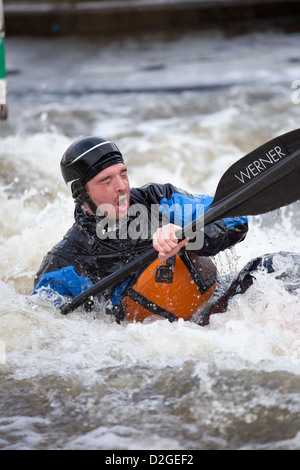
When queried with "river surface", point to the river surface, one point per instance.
{"points": [[182, 109]]}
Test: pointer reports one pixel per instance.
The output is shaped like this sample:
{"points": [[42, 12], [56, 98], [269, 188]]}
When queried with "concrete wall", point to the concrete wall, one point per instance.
{"points": [[104, 17]]}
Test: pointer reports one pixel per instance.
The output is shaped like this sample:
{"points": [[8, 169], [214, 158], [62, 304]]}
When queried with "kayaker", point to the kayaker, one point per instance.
{"points": [[115, 223]]}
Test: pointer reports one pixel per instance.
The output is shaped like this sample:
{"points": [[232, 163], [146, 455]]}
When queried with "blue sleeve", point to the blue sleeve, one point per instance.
{"points": [[62, 283], [181, 209]]}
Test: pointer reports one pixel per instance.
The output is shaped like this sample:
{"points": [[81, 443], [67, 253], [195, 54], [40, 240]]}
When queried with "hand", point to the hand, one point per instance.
{"points": [[166, 242]]}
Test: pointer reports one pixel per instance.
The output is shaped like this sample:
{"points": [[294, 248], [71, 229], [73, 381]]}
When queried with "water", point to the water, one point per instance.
{"points": [[182, 108]]}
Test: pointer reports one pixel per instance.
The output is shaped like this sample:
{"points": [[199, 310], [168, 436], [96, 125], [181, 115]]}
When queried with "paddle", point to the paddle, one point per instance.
{"points": [[262, 181]]}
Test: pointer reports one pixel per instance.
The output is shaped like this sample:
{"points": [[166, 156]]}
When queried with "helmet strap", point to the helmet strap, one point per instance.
{"points": [[83, 197]]}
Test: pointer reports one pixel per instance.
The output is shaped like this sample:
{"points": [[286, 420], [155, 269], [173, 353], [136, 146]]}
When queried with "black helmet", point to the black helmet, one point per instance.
{"points": [[85, 158]]}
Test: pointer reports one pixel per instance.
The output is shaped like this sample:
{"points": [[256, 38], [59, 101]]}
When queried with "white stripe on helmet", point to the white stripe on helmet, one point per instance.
{"points": [[87, 151]]}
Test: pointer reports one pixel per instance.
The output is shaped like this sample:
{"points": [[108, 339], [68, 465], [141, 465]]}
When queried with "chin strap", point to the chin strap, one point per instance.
{"points": [[83, 197]]}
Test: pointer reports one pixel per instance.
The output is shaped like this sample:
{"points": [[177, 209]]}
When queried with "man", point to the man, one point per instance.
{"points": [[115, 224]]}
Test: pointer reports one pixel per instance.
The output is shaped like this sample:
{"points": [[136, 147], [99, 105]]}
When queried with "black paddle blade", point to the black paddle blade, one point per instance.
{"points": [[263, 180]]}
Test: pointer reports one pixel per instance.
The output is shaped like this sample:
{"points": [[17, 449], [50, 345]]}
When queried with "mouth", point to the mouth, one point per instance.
{"points": [[122, 204]]}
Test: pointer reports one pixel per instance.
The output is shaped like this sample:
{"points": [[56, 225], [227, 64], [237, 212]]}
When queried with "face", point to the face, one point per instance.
{"points": [[109, 190]]}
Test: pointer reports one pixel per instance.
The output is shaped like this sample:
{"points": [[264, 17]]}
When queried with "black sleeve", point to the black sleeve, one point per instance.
{"points": [[218, 236]]}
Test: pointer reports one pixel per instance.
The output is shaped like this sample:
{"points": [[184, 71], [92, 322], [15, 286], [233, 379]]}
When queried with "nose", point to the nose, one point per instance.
{"points": [[121, 184]]}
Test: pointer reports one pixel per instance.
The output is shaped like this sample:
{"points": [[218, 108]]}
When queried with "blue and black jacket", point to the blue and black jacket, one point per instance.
{"points": [[91, 250]]}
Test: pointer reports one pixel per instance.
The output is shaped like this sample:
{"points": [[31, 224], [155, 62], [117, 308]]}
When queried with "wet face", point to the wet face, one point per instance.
{"points": [[109, 190]]}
